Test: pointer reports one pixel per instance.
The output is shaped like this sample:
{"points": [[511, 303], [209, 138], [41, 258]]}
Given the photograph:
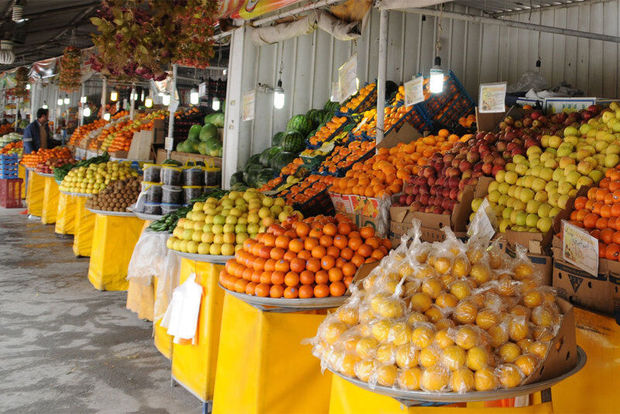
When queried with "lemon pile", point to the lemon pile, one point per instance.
{"points": [[95, 177], [443, 317]]}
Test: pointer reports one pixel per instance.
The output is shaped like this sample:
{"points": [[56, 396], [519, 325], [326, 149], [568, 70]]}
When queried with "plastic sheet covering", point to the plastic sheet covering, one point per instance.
{"points": [[347, 398], [65, 214], [84, 225], [194, 365], [181, 318], [34, 199], [283, 31], [262, 359], [337, 28], [147, 259], [50, 201], [167, 281], [140, 299], [114, 239], [161, 339]]}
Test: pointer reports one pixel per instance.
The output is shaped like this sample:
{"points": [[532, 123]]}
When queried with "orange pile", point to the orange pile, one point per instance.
{"points": [[327, 130], [40, 156], [467, 121], [383, 174], [306, 189], [271, 184], [82, 132], [6, 128], [354, 103], [346, 155], [599, 213], [291, 167], [316, 257], [10, 146]]}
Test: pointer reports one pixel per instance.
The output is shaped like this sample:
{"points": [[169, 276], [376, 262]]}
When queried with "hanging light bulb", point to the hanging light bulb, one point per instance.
{"points": [[165, 99], [60, 101], [148, 102], [27, 86], [215, 105], [142, 96], [278, 96], [436, 81], [44, 106], [114, 96], [67, 100], [83, 99], [224, 72], [106, 116], [194, 99], [86, 112]]}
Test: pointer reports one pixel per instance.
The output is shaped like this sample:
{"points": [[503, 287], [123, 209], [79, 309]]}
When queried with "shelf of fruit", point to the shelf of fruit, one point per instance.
{"points": [[15, 147], [448, 317], [542, 178], [117, 196], [52, 163], [83, 131], [118, 135], [94, 177], [39, 159], [220, 226], [6, 129], [361, 101], [315, 257], [9, 137], [345, 156]]}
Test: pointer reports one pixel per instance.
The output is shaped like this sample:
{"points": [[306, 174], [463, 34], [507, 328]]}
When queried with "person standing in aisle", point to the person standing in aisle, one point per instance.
{"points": [[38, 135]]}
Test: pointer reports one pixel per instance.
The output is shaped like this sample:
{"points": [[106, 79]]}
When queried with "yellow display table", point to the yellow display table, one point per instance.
{"points": [[595, 388], [163, 341], [50, 200], [35, 192], [263, 367], [114, 237], [84, 225], [194, 366], [21, 173], [66, 214]]}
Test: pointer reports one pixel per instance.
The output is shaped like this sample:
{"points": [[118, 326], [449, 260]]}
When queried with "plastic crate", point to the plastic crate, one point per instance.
{"points": [[447, 107], [11, 193], [319, 204]]}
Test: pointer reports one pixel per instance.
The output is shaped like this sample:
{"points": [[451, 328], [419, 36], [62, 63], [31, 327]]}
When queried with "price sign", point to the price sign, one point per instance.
{"points": [[247, 111], [169, 144], [414, 92], [492, 97], [202, 89], [579, 248]]}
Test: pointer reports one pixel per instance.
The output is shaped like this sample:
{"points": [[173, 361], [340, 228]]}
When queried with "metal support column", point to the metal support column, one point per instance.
{"points": [[381, 73]]}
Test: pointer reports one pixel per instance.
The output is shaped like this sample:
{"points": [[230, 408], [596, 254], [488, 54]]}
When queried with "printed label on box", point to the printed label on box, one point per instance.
{"points": [[368, 207], [579, 248]]}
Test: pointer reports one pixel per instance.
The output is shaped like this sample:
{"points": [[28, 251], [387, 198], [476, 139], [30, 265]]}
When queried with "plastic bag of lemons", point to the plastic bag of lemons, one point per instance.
{"points": [[443, 317]]}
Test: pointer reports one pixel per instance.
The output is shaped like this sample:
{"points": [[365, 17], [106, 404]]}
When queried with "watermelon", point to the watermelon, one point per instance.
{"points": [[264, 176], [299, 123], [276, 141], [327, 116], [331, 106], [312, 133], [214, 147], [194, 131], [283, 159], [267, 155], [294, 141], [250, 174], [208, 131], [236, 178], [254, 159], [216, 119]]}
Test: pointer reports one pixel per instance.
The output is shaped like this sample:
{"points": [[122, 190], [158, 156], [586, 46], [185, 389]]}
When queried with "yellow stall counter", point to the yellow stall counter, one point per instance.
{"points": [[594, 389], [194, 366], [113, 240], [21, 173], [263, 367], [35, 193], [65, 214], [50, 201], [163, 341], [84, 225]]}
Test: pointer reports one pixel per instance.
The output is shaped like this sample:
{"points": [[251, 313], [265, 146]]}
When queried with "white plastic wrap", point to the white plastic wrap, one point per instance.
{"points": [[148, 257]]}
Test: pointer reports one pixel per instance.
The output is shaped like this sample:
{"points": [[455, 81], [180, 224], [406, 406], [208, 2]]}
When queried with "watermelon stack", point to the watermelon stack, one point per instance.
{"points": [[204, 139]]}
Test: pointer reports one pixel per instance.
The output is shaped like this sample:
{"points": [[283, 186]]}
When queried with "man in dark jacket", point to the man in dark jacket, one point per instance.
{"points": [[37, 134]]}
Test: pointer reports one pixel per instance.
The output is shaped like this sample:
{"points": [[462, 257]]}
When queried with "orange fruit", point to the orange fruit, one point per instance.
{"points": [[347, 253], [327, 241], [367, 232], [335, 274], [298, 265], [321, 291], [330, 229], [306, 291], [318, 252], [277, 253], [276, 291], [321, 277], [365, 250], [340, 241], [355, 243], [291, 279], [262, 290], [296, 245], [283, 265], [304, 254], [337, 288], [289, 255], [310, 243], [313, 265], [357, 260], [302, 229], [333, 251], [291, 292], [306, 277]]}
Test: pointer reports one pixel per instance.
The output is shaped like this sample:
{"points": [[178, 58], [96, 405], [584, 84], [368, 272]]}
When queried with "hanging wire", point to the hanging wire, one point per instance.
{"points": [[439, 31], [539, 61]]}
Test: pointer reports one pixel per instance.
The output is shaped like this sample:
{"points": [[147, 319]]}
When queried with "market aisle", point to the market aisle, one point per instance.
{"points": [[65, 347]]}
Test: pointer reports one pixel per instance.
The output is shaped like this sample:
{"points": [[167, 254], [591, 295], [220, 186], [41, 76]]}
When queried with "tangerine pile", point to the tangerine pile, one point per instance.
{"points": [[599, 213], [441, 317], [316, 257], [326, 131], [353, 105], [83, 131], [41, 156], [345, 156], [306, 189]]}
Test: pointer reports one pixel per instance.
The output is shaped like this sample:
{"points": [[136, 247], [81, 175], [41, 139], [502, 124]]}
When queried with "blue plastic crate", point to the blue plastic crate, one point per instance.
{"points": [[454, 101], [8, 175]]}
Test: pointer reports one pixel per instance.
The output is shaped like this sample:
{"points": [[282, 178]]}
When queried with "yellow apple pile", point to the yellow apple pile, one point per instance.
{"points": [[533, 190], [443, 317], [220, 226], [95, 177]]}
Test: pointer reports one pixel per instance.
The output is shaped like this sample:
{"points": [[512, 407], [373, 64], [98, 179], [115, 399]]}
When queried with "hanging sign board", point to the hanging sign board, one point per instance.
{"points": [[247, 111], [492, 97], [579, 248], [347, 78], [414, 92], [555, 105]]}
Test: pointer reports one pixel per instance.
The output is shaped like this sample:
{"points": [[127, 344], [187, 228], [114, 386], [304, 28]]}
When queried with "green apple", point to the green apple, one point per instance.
{"points": [[563, 200], [253, 228], [584, 167], [570, 131], [187, 234], [518, 205], [611, 160], [513, 216], [503, 199], [507, 212], [544, 224], [493, 185], [551, 187], [227, 249], [555, 141], [546, 174], [596, 175], [565, 186], [553, 199], [554, 211], [521, 218], [241, 237], [573, 177], [499, 177], [510, 203], [503, 188], [510, 166], [613, 149], [565, 162], [215, 249], [558, 174], [203, 248], [192, 247], [531, 220], [521, 168], [217, 229], [538, 184]]}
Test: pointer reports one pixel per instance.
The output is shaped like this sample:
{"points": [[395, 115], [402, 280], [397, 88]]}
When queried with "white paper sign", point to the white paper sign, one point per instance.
{"points": [[202, 89], [579, 248], [169, 144], [492, 97], [247, 110], [347, 78], [414, 91]]}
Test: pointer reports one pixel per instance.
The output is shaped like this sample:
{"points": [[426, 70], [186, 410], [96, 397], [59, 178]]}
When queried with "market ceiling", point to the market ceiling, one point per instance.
{"points": [[47, 28]]}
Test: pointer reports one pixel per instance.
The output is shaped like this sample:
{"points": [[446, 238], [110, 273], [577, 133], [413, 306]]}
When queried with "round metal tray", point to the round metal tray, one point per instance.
{"points": [[292, 304], [44, 174], [453, 397], [112, 213], [207, 258], [77, 194], [148, 217]]}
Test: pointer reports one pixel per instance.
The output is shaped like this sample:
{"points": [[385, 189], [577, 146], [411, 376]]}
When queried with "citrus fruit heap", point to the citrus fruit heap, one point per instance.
{"points": [[443, 317], [95, 177], [316, 257], [219, 227]]}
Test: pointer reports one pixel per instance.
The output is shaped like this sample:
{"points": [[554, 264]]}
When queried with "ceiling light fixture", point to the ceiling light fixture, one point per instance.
{"points": [[7, 57]]}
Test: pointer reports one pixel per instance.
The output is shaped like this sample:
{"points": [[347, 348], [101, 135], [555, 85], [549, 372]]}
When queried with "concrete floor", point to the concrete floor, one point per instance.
{"points": [[66, 347]]}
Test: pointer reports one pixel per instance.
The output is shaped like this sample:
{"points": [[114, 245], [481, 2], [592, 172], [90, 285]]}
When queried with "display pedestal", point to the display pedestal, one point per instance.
{"points": [[347, 398], [50, 201], [595, 388], [21, 173], [163, 341], [113, 241], [66, 214], [36, 190], [84, 225], [194, 366], [263, 367], [140, 299]]}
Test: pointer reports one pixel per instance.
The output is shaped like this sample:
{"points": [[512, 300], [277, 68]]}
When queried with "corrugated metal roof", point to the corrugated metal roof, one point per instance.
{"points": [[498, 7]]}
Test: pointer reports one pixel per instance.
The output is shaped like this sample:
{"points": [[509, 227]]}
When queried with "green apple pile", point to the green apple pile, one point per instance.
{"points": [[531, 191], [95, 177], [220, 226]]}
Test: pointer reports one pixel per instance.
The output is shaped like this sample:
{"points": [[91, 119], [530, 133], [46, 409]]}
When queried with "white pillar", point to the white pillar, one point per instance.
{"points": [[80, 104], [104, 96], [172, 107], [383, 41], [132, 101], [234, 98]]}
